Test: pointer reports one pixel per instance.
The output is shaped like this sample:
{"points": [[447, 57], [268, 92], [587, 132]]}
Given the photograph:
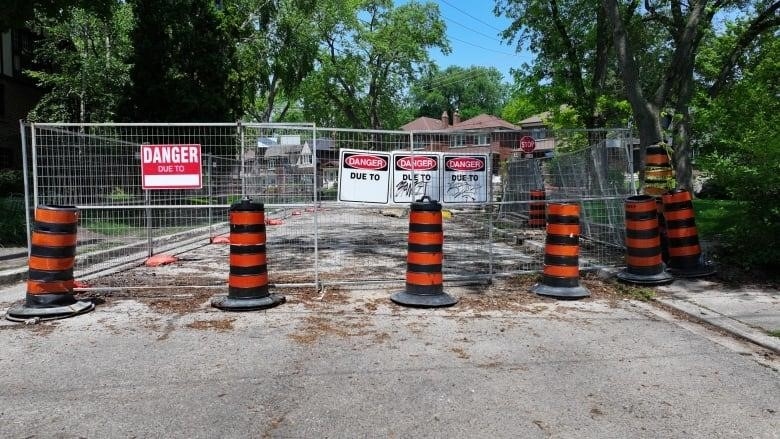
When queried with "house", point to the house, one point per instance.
{"points": [[18, 93], [483, 134]]}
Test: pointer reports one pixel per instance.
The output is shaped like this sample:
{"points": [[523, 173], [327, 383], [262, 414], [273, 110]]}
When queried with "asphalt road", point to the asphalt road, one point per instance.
{"points": [[500, 364]]}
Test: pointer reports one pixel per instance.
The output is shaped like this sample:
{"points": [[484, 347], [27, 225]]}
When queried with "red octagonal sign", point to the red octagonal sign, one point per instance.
{"points": [[527, 144]]}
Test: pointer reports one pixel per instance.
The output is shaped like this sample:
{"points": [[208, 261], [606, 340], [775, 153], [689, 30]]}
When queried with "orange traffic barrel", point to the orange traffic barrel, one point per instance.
{"points": [[659, 175], [424, 279], [561, 274], [248, 278], [685, 257], [536, 213], [644, 264], [50, 280]]}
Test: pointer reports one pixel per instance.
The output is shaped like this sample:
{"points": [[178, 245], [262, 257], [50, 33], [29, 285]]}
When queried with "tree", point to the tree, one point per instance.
{"points": [[85, 55], [16, 14], [472, 91], [571, 41], [369, 51], [277, 45], [184, 64], [684, 24]]}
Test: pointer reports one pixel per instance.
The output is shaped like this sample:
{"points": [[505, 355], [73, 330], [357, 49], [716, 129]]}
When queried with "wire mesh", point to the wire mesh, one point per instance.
{"points": [[293, 169]]}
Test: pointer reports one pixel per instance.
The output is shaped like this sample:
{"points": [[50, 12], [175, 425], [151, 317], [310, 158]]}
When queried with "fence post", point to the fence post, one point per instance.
{"points": [[26, 182]]}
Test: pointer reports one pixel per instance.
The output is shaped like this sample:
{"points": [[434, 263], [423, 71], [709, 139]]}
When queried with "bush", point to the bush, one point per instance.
{"points": [[13, 227], [11, 182]]}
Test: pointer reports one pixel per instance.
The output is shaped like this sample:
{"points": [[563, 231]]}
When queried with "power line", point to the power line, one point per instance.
{"points": [[481, 47], [470, 28], [470, 16]]}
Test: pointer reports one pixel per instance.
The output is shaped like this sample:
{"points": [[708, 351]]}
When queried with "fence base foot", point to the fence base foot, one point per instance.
{"points": [[22, 312], [227, 303], [560, 292], [423, 300]]}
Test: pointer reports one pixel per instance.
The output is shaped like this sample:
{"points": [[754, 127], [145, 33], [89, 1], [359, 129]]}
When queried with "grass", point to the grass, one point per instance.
{"points": [[13, 229], [642, 294], [775, 333], [108, 228], [713, 217]]}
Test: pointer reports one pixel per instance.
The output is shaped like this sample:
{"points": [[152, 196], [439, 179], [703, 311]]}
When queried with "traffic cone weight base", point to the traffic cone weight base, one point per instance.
{"points": [[577, 292], [648, 279], [21, 312], [423, 300], [227, 303]]}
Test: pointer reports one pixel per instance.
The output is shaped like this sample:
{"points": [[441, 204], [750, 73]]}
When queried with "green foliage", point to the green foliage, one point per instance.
{"points": [[472, 91], [277, 46], [741, 152], [11, 182], [713, 217], [370, 51], [13, 225], [634, 292], [85, 55], [184, 64]]}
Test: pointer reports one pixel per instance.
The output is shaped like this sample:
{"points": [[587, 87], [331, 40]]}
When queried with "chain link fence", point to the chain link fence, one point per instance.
{"points": [[293, 169]]}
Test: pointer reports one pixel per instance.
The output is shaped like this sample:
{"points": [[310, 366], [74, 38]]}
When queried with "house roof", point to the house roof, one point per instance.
{"points": [[483, 122], [535, 120], [423, 124]]}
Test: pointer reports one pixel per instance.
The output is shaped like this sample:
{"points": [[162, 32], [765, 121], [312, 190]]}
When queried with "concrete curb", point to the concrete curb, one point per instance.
{"points": [[725, 323], [13, 275]]}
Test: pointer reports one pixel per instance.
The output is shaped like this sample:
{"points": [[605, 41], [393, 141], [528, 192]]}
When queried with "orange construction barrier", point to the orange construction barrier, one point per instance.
{"points": [[536, 213], [685, 257], [424, 279], [561, 275], [248, 280], [50, 280], [644, 264]]}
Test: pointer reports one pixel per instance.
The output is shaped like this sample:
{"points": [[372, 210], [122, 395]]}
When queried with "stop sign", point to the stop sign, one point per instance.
{"points": [[527, 144]]}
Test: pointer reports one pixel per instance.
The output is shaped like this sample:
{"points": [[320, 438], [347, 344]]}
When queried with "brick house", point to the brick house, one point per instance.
{"points": [[482, 134]]}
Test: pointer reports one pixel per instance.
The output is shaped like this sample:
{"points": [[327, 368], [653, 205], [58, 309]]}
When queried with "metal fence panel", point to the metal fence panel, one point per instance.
{"points": [[293, 169]]}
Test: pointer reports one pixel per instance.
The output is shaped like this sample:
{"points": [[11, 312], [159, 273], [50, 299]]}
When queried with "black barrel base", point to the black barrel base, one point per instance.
{"points": [[423, 300], [576, 292], [645, 279], [22, 312], [227, 303], [700, 270]]}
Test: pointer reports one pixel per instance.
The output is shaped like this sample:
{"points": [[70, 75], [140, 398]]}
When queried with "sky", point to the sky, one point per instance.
{"points": [[473, 31]]}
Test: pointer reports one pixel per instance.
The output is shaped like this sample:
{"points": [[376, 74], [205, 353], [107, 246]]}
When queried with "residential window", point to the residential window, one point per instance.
{"points": [[483, 139], [21, 51], [457, 140]]}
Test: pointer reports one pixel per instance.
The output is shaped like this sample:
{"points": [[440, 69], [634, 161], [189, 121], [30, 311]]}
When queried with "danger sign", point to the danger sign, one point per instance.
{"points": [[364, 176], [171, 167], [466, 178], [415, 176]]}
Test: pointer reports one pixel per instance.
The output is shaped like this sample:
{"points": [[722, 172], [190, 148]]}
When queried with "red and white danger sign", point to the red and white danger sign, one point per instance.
{"points": [[171, 167]]}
